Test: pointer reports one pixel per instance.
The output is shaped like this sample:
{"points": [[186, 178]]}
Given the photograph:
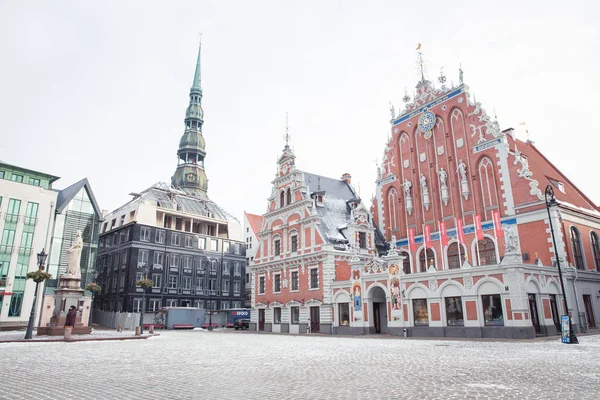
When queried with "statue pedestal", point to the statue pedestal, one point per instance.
{"points": [[55, 307]]}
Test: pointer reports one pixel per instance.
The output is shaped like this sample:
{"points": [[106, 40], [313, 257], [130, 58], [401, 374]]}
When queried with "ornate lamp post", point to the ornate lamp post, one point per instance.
{"points": [[37, 276], [144, 283], [551, 201]]}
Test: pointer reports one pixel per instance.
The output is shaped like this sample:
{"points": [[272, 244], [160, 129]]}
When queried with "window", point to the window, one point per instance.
{"points": [[421, 316], [187, 262], [212, 284], [456, 260], [158, 258], [187, 283], [277, 247], [214, 245], [31, 213], [200, 282], [188, 241], [2, 177], [226, 247], [454, 311], [281, 199], [261, 285], [202, 243], [139, 276], [277, 315], [156, 280], [143, 256], [225, 287], [173, 260], [124, 235], [171, 303], [426, 257], [137, 305], [12, 212], [295, 314], [344, 312], [596, 251], [213, 266], [199, 303], [238, 269], [487, 252], [176, 239], [225, 268], [34, 181], [160, 236], [122, 220], [576, 246], [294, 280], [224, 305], [237, 304], [236, 248], [277, 283], [362, 240], [145, 234], [154, 305], [294, 243], [124, 258], [288, 196], [406, 263], [172, 281], [314, 278], [492, 310], [121, 280], [236, 287], [16, 178]]}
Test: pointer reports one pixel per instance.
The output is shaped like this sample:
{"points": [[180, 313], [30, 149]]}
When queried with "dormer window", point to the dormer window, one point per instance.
{"points": [[558, 184]]}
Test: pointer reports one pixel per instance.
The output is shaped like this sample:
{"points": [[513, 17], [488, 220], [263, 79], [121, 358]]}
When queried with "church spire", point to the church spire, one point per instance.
{"points": [[190, 174]]}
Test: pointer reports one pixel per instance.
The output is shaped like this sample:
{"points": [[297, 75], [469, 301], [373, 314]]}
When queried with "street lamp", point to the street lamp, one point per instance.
{"points": [[551, 201], [144, 284], [39, 277]]}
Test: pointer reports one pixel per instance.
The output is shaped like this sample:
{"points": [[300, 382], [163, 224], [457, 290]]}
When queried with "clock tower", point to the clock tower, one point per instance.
{"points": [[190, 174]]}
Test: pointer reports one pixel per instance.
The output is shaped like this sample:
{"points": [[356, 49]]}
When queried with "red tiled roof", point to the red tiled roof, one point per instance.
{"points": [[255, 222], [544, 170]]}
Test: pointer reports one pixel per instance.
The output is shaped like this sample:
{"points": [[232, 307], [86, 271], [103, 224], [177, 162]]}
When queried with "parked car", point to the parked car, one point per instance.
{"points": [[241, 324]]}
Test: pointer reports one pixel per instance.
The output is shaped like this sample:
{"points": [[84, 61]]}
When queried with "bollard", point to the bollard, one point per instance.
{"points": [[137, 331], [405, 333], [68, 331], [119, 328], [151, 330]]}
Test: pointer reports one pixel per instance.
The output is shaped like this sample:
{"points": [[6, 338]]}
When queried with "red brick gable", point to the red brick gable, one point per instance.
{"points": [[255, 222]]}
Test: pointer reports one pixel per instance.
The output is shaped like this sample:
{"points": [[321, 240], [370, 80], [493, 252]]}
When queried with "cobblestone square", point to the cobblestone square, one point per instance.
{"points": [[245, 365]]}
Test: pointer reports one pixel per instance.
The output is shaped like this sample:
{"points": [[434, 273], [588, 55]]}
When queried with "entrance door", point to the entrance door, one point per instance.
{"points": [[534, 313], [376, 318], [261, 319], [314, 320], [555, 316], [589, 311]]}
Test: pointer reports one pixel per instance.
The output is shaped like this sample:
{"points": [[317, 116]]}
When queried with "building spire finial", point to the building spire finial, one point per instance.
{"points": [[420, 62], [196, 84], [287, 131]]}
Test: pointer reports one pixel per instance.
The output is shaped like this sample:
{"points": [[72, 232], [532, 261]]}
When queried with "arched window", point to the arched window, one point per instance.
{"points": [[282, 199], [486, 252], [424, 262], [406, 263], [596, 251], [393, 208], [576, 245], [489, 194], [289, 196], [455, 260]]}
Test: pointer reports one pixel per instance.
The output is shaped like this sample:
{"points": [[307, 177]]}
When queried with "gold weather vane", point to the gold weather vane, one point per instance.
{"points": [[287, 130]]}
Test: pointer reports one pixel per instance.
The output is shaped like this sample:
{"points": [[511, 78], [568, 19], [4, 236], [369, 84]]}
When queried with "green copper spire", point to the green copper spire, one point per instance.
{"points": [[196, 85]]}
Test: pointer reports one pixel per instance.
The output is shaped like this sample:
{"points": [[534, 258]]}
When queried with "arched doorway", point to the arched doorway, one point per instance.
{"points": [[378, 310]]}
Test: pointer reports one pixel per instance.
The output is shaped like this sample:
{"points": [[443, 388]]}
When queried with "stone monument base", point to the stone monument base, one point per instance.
{"points": [[56, 306]]}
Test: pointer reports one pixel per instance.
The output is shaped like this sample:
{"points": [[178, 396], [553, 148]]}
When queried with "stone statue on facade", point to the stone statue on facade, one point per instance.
{"points": [[462, 169], [443, 177], [74, 253], [511, 239], [406, 187], [424, 184]]}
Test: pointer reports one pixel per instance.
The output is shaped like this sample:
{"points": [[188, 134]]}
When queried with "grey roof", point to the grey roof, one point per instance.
{"points": [[66, 195], [50, 177], [335, 215]]}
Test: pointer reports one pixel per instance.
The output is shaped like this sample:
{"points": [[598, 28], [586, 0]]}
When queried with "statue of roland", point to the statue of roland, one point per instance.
{"points": [[74, 253]]}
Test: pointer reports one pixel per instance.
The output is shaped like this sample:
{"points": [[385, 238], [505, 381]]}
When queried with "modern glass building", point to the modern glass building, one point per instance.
{"points": [[76, 210]]}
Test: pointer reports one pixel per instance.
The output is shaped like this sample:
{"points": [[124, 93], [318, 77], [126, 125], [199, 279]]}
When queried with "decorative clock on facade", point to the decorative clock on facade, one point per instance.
{"points": [[426, 123], [191, 177]]}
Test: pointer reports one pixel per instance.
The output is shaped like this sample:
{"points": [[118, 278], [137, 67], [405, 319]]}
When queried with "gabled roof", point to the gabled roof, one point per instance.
{"points": [[256, 222], [66, 195], [544, 170]]}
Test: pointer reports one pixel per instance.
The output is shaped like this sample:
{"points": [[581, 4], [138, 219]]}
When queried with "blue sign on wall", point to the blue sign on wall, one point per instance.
{"points": [[566, 329]]}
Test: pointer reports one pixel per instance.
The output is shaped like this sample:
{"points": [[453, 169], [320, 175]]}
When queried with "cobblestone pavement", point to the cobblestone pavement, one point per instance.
{"points": [[245, 365]]}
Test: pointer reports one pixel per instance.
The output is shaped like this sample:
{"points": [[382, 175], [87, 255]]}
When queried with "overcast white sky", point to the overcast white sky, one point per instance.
{"points": [[99, 89]]}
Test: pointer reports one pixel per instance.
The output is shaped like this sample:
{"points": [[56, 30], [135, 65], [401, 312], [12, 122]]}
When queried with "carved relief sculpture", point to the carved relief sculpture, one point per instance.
{"points": [[425, 192], [443, 176], [464, 182], [406, 186]]}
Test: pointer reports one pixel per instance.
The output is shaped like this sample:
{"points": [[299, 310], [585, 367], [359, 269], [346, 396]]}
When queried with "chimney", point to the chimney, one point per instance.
{"points": [[347, 178], [104, 212]]}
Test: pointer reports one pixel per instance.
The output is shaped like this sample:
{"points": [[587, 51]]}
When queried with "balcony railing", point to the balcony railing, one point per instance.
{"points": [[5, 249], [25, 251], [30, 220], [11, 218]]}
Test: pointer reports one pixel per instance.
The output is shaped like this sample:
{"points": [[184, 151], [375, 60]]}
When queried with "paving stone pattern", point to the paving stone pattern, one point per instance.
{"points": [[246, 365]]}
